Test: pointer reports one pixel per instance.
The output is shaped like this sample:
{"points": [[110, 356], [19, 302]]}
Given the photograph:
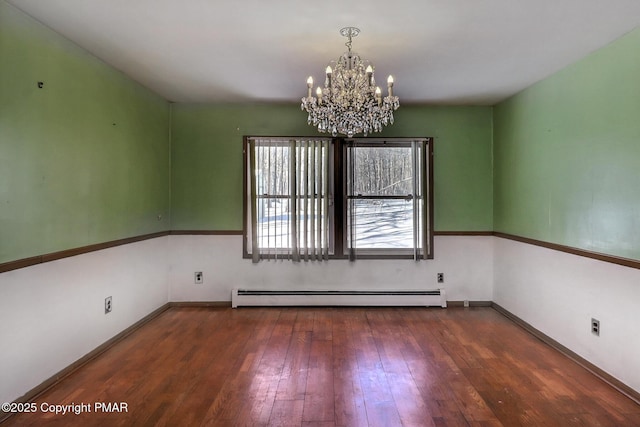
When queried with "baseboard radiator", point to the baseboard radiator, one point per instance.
{"points": [[246, 297]]}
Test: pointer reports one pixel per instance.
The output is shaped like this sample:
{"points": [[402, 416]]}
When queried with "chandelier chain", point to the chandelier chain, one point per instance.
{"points": [[349, 32]]}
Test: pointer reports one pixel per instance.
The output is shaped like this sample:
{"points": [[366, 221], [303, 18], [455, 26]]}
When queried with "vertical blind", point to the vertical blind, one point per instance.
{"points": [[289, 187]]}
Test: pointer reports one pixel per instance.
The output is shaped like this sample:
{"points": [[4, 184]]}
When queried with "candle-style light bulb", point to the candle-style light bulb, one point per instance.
{"points": [[319, 95], [379, 95], [390, 85], [369, 72], [309, 86], [328, 71]]}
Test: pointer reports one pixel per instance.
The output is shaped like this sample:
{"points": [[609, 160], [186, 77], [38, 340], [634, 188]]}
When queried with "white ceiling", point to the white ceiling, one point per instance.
{"points": [[439, 51]]}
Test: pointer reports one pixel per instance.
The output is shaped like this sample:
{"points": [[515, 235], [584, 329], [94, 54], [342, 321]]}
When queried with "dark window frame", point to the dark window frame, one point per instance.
{"points": [[339, 230]]}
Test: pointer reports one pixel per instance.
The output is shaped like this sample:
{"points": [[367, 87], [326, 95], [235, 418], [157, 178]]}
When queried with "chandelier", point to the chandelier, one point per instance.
{"points": [[350, 102]]}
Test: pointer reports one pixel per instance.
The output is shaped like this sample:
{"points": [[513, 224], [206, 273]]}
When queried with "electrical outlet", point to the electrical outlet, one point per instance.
{"points": [[108, 305], [466, 303], [595, 327], [197, 277], [440, 277]]}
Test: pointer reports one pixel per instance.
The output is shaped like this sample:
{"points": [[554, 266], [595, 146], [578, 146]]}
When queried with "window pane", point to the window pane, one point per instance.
{"points": [[274, 223], [384, 224], [272, 169], [274, 230], [382, 171], [291, 196]]}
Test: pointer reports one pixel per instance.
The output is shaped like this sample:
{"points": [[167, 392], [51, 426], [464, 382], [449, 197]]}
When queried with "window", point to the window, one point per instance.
{"points": [[385, 183], [321, 198], [288, 187]]}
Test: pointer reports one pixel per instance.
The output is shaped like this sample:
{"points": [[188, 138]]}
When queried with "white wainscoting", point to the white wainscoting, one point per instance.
{"points": [[52, 314], [466, 261], [558, 294]]}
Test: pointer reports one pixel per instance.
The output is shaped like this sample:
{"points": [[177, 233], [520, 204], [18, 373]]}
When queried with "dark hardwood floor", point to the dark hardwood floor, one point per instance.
{"points": [[334, 367]]}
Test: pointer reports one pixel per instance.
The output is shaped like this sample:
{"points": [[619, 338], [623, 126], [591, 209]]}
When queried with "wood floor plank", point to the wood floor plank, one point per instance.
{"points": [[348, 397], [319, 403], [390, 338], [334, 367], [292, 384], [287, 413]]}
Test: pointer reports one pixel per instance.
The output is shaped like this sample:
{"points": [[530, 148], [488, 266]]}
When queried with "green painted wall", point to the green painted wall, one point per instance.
{"points": [[567, 155], [85, 159], [207, 160]]}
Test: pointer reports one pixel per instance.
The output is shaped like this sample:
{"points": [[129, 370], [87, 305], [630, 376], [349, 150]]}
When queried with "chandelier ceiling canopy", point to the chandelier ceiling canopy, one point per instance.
{"points": [[350, 102]]}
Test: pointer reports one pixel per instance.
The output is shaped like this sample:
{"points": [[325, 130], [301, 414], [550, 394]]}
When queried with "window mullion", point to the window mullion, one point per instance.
{"points": [[319, 198], [325, 216]]}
